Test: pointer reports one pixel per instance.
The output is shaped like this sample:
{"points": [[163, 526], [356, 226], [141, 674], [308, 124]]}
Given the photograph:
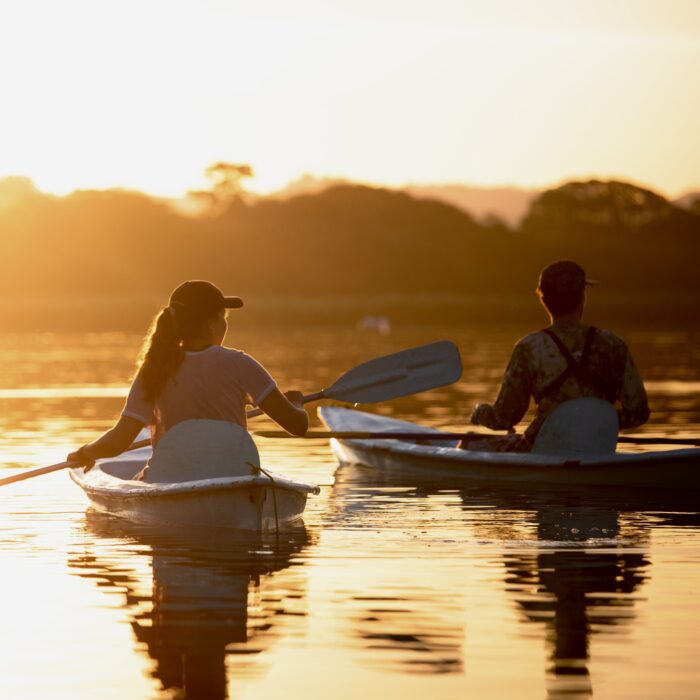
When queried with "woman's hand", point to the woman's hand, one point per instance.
{"points": [[112, 443], [82, 458]]}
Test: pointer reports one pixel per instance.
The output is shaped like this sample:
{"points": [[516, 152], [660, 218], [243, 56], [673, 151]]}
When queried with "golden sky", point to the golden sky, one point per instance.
{"points": [[144, 94]]}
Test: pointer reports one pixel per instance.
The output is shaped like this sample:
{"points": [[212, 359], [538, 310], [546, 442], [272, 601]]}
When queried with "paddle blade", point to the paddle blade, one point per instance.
{"points": [[400, 374]]}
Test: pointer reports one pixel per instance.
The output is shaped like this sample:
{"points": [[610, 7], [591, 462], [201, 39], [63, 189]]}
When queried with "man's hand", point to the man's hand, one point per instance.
{"points": [[477, 413]]}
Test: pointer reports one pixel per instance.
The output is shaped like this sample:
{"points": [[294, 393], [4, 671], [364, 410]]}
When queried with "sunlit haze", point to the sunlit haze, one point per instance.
{"points": [[144, 95]]}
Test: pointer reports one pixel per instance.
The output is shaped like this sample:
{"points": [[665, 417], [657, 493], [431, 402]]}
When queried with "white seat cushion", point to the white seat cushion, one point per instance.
{"points": [[579, 426], [202, 449]]}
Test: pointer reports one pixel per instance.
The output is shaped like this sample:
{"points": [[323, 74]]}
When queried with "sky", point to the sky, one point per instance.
{"points": [[144, 95]]}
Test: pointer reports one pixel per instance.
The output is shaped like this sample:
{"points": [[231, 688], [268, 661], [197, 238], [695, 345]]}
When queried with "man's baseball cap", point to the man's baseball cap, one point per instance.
{"points": [[202, 297], [563, 278]]}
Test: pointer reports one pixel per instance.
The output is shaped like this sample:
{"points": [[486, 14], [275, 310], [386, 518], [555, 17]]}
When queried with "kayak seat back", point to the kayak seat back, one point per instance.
{"points": [[580, 426], [202, 449]]}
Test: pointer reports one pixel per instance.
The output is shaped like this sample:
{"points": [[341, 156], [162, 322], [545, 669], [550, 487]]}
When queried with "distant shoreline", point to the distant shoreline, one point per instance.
{"points": [[133, 314]]}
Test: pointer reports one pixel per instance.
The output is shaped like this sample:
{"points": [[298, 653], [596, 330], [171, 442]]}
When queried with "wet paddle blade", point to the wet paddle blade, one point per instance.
{"points": [[399, 374]]}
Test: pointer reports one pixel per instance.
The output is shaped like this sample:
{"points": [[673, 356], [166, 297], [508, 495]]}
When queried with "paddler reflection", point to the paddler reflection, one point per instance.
{"points": [[579, 583], [214, 594], [573, 563]]}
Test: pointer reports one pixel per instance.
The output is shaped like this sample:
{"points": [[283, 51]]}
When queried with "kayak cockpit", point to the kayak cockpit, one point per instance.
{"points": [[125, 469]]}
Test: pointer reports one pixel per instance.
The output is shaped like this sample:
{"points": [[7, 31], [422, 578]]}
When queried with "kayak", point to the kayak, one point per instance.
{"points": [[244, 502], [662, 469], [262, 501]]}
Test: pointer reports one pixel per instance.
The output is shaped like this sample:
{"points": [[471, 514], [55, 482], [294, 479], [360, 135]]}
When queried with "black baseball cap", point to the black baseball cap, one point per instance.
{"points": [[563, 278], [202, 296]]}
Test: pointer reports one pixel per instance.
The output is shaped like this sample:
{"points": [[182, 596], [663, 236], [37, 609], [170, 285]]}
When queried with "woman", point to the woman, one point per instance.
{"points": [[186, 374]]}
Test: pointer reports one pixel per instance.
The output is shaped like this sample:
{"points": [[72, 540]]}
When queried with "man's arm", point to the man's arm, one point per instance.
{"points": [[514, 397], [634, 405]]}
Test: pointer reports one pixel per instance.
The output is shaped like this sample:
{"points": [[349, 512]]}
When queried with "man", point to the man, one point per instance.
{"points": [[566, 361]]}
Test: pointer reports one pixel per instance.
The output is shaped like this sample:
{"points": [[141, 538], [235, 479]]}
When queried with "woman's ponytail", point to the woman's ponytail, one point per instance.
{"points": [[163, 354]]}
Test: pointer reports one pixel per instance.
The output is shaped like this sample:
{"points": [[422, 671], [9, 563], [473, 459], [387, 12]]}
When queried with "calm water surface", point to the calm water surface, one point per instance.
{"points": [[402, 589]]}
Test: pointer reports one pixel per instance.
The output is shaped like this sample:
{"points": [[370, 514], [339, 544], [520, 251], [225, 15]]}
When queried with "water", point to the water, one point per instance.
{"points": [[394, 589]]}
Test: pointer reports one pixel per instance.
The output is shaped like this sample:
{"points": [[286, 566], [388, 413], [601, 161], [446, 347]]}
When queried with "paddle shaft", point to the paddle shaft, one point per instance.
{"points": [[61, 465], [422, 435], [658, 440], [360, 435]]}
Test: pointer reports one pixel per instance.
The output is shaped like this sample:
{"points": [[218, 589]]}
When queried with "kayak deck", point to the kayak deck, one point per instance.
{"points": [[673, 469]]}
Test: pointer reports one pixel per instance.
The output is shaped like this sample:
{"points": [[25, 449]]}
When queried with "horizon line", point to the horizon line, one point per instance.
{"points": [[340, 179]]}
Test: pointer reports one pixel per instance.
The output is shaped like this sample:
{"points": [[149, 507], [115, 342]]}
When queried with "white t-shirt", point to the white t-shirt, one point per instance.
{"points": [[214, 383]]}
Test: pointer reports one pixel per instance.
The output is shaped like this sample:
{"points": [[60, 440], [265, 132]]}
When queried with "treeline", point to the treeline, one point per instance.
{"points": [[106, 258]]}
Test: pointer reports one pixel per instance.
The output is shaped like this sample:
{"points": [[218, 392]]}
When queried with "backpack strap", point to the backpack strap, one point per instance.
{"points": [[570, 360], [573, 367], [568, 372]]}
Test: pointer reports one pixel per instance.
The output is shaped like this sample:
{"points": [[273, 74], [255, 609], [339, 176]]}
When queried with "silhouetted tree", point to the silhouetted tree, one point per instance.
{"points": [[16, 189], [623, 232], [606, 207], [226, 185]]}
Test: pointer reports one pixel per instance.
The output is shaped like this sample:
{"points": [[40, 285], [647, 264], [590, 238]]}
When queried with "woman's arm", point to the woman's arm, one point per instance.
{"points": [[112, 443], [287, 409]]}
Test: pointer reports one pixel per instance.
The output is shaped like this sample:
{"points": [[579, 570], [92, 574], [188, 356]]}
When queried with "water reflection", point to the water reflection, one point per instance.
{"points": [[577, 592], [576, 562], [587, 568], [211, 595], [406, 633]]}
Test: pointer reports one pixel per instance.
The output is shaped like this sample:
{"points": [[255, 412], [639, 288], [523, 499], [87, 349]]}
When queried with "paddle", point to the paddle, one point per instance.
{"points": [[388, 377], [418, 435], [29, 474], [360, 435], [658, 440], [399, 374]]}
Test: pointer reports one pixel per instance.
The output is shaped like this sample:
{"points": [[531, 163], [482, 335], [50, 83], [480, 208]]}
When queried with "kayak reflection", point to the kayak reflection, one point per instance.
{"points": [[588, 568], [576, 561], [213, 595], [582, 586]]}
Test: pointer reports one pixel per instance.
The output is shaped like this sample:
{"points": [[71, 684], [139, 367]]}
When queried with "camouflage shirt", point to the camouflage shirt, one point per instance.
{"points": [[537, 362]]}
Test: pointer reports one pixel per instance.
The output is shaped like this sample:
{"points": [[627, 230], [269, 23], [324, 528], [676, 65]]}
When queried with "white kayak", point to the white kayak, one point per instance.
{"points": [[245, 498], [663, 469]]}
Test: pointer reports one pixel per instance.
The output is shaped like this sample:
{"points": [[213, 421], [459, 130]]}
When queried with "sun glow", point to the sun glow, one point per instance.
{"points": [[144, 96]]}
